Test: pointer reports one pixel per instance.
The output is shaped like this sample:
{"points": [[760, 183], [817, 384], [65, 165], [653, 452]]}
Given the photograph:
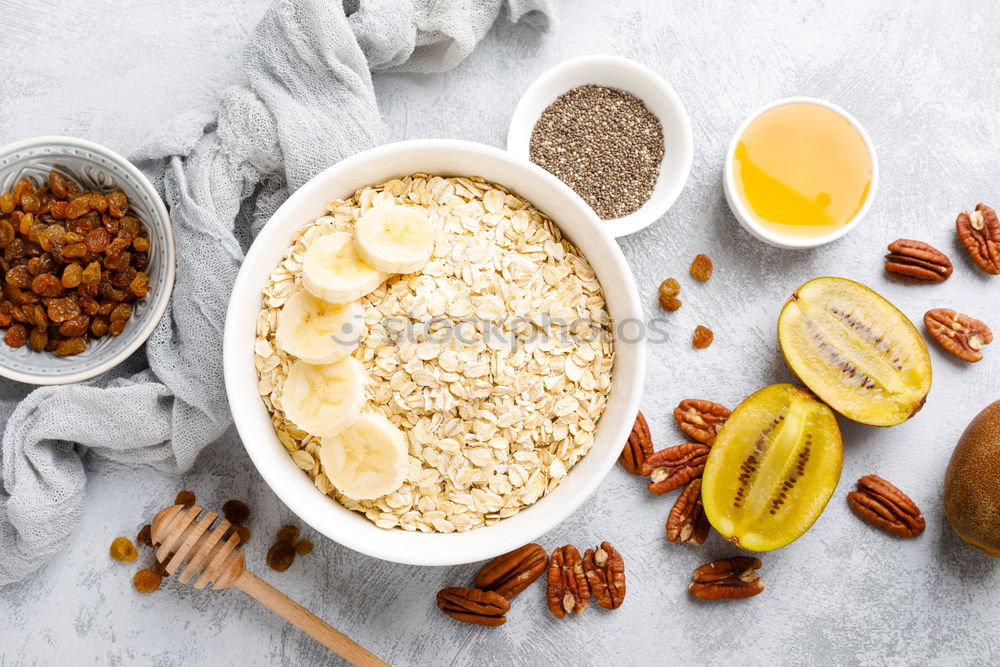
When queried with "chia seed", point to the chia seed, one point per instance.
{"points": [[602, 142]]}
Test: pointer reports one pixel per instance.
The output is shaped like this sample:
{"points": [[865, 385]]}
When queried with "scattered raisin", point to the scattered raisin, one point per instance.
{"points": [[146, 581], [701, 268], [304, 547], [667, 294], [280, 555], [702, 337], [145, 535], [241, 531], [236, 511], [288, 533], [123, 550], [185, 498], [16, 336]]}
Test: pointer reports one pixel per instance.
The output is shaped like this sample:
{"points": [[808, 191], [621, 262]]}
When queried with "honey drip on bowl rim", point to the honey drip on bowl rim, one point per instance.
{"points": [[802, 170]]}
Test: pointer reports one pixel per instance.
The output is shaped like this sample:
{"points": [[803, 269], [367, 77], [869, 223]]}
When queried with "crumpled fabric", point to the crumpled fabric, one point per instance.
{"points": [[308, 102]]}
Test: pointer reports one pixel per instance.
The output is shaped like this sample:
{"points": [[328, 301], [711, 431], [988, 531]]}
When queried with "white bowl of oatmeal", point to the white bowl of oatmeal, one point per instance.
{"points": [[516, 382]]}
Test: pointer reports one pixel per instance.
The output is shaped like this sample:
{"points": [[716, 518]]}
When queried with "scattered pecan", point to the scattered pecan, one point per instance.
{"points": [[638, 446], [514, 571], [960, 334], [730, 578], [568, 590], [687, 521], [979, 232], [917, 262], [472, 605], [672, 468], [700, 419], [883, 505], [605, 572]]}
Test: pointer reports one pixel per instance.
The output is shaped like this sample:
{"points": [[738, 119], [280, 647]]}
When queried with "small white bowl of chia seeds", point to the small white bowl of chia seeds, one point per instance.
{"points": [[614, 131]]}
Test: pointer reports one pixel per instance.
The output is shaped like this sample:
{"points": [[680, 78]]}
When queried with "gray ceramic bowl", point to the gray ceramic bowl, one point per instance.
{"points": [[94, 168]]}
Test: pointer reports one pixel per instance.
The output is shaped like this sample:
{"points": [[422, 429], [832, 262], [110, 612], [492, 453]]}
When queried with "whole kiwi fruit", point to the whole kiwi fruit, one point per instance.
{"points": [[972, 483]]}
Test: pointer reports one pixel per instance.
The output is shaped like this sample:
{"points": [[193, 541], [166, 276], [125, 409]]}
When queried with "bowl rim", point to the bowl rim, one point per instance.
{"points": [[154, 314], [521, 122], [237, 359], [758, 230]]}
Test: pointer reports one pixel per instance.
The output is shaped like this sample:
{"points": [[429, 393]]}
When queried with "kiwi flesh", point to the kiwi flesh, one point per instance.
{"points": [[972, 483], [772, 468], [856, 351]]}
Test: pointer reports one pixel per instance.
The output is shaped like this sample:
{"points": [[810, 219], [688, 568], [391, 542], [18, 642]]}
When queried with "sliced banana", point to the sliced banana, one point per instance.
{"points": [[324, 400], [366, 460], [317, 331], [395, 239], [333, 271]]}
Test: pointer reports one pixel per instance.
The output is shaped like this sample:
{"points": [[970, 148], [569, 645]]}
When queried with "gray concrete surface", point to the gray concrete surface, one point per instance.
{"points": [[921, 76]]}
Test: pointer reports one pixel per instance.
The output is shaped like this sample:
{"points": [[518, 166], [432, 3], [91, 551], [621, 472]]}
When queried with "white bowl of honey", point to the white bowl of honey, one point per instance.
{"points": [[800, 172]]}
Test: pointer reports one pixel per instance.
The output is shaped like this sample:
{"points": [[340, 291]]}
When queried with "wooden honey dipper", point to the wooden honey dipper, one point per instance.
{"points": [[184, 538]]}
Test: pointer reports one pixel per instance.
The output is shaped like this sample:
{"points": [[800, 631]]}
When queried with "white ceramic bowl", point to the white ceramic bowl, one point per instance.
{"points": [[578, 223], [761, 232], [98, 168], [632, 77]]}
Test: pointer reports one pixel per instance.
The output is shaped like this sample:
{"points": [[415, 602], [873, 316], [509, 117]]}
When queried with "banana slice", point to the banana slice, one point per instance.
{"points": [[316, 331], [395, 239], [366, 460], [324, 400], [333, 271]]}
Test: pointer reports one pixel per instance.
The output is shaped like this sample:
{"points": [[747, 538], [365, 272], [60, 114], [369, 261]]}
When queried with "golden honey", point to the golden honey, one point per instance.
{"points": [[802, 170]]}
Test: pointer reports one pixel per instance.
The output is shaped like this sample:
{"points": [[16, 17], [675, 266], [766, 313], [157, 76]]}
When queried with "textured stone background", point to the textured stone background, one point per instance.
{"points": [[921, 76]]}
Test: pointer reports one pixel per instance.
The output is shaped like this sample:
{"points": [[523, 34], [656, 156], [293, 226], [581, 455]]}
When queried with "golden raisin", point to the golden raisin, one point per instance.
{"points": [[46, 284], [280, 555], [667, 294], [139, 285], [145, 535], [57, 185], [6, 202], [236, 511], [75, 326], [92, 274], [116, 328], [123, 550], [146, 581], [38, 339], [288, 533], [701, 267], [71, 346], [117, 204], [72, 276], [185, 498], [16, 336], [99, 326], [304, 547], [141, 244], [702, 337]]}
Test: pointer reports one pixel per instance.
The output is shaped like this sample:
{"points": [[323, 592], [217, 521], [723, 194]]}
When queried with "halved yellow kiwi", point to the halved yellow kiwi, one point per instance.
{"points": [[772, 468], [855, 351]]}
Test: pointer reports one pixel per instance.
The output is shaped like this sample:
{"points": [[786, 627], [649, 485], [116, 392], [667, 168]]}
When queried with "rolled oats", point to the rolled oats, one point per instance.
{"points": [[495, 359]]}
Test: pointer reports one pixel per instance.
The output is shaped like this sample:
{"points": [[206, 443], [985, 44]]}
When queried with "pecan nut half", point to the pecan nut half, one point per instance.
{"points": [[512, 572], [730, 579], [687, 521], [917, 262], [568, 591], [979, 232], [699, 419], [883, 505], [638, 446], [960, 334], [605, 572], [472, 605], [673, 467]]}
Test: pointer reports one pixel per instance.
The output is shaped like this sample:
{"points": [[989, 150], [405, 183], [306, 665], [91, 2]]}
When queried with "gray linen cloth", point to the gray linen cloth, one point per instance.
{"points": [[308, 102]]}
